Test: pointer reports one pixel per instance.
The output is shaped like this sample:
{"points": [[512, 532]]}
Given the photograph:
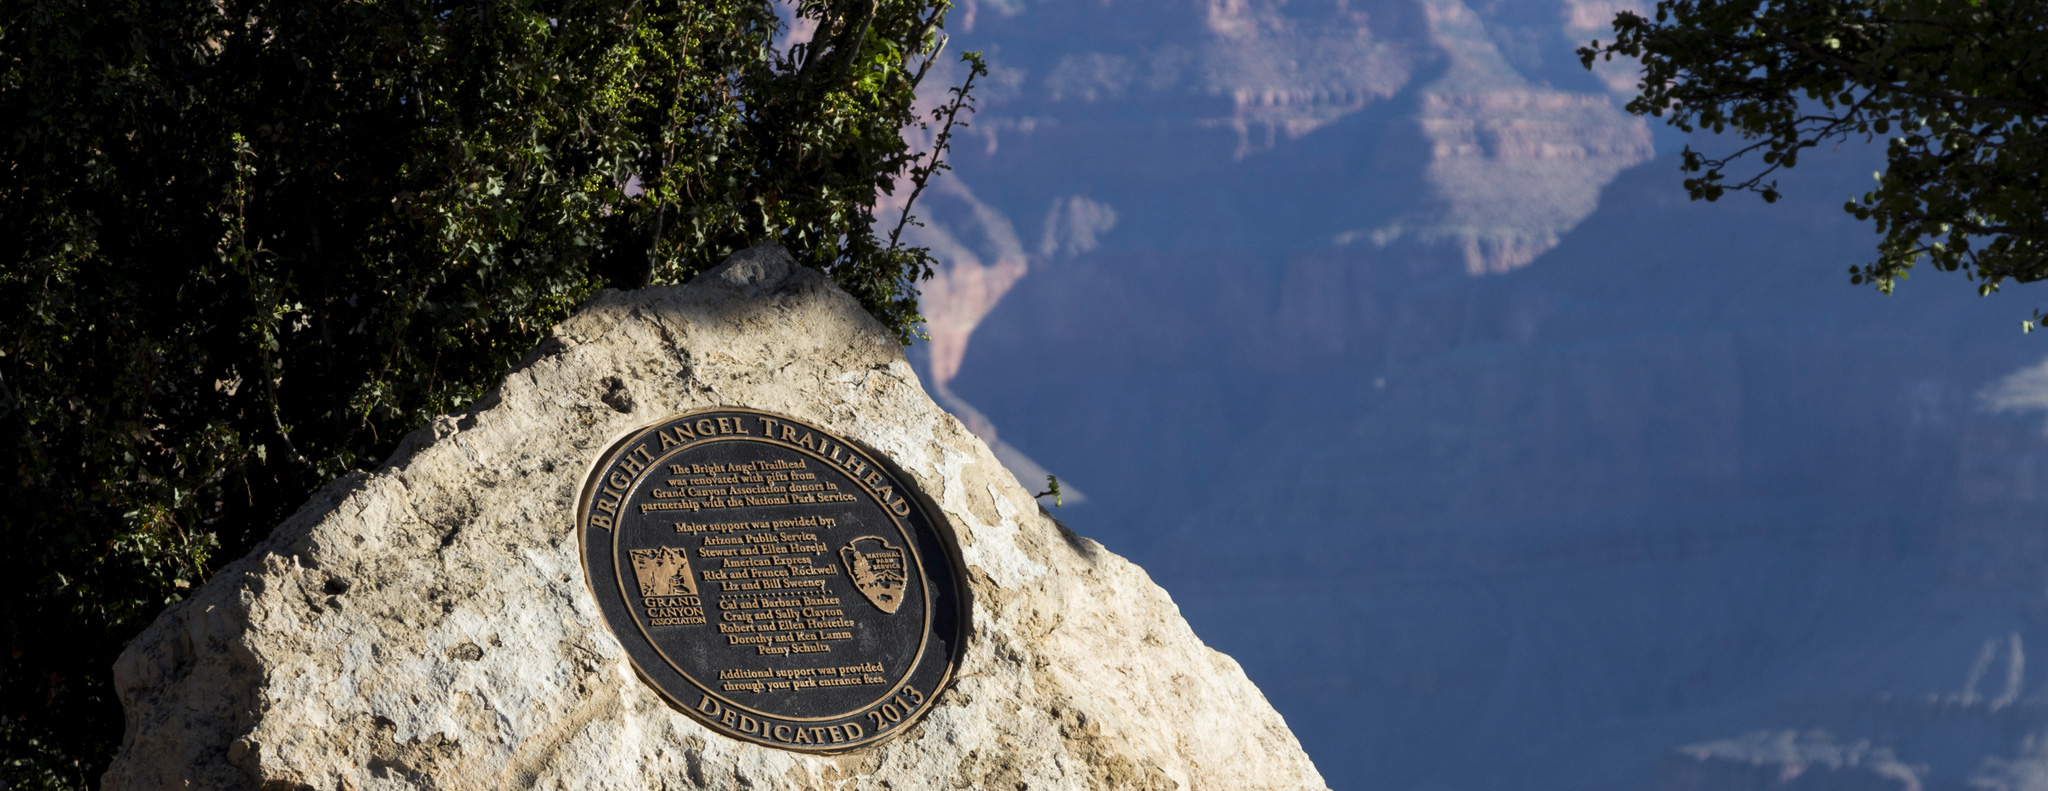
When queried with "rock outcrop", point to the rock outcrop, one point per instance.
{"points": [[1787, 761], [427, 625]]}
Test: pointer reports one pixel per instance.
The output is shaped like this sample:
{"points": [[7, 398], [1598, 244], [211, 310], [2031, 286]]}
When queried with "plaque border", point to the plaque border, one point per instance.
{"points": [[942, 528]]}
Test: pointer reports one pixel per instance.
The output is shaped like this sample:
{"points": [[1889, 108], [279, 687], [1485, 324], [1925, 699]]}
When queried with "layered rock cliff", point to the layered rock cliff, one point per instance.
{"points": [[1497, 461], [1425, 136]]}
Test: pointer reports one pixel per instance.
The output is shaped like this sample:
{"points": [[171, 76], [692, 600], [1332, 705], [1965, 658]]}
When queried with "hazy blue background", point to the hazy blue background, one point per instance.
{"points": [[1394, 351]]}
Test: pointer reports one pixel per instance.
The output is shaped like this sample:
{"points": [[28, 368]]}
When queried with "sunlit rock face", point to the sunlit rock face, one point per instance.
{"points": [[430, 624], [1374, 331]]}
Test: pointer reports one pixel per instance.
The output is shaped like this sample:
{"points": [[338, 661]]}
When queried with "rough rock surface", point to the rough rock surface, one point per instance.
{"points": [[427, 625]]}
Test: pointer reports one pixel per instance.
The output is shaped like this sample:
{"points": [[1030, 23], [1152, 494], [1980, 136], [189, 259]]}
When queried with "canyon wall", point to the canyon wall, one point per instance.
{"points": [[1375, 331]]}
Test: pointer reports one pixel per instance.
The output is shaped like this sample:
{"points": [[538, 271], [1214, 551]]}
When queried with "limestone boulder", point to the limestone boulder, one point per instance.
{"points": [[427, 626]]}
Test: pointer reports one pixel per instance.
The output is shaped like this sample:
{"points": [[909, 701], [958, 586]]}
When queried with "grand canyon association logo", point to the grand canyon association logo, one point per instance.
{"points": [[877, 571], [664, 571]]}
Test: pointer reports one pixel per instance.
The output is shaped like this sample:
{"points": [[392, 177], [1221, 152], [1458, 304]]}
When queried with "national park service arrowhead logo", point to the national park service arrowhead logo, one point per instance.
{"points": [[664, 572], [877, 571]]}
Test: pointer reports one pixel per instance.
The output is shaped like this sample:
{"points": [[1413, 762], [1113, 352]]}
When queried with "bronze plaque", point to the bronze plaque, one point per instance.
{"points": [[776, 582]]}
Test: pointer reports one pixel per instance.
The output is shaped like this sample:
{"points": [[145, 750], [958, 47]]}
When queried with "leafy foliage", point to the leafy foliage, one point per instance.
{"points": [[245, 245], [1959, 88]]}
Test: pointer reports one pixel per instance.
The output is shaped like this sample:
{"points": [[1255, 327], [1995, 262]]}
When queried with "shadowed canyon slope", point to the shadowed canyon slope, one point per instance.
{"points": [[1375, 333]]}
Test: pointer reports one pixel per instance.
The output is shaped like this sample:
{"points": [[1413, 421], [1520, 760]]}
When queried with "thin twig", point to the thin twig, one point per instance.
{"points": [[920, 176]]}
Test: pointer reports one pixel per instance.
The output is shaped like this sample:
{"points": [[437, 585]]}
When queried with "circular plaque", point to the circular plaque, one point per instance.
{"points": [[776, 582]]}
